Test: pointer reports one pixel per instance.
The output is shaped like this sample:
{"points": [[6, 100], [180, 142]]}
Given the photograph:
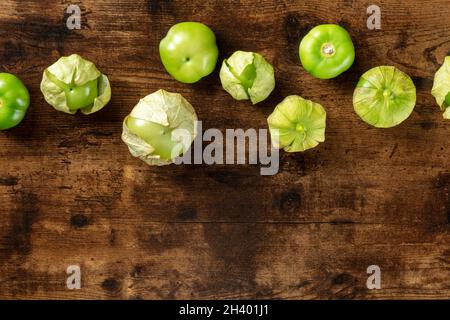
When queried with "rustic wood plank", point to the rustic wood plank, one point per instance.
{"points": [[70, 193]]}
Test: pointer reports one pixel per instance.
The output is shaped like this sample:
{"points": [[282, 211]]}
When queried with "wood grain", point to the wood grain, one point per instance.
{"points": [[70, 192]]}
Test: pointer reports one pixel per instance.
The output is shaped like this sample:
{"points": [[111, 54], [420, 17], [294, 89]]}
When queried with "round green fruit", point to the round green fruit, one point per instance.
{"points": [[189, 51], [327, 51], [384, 97]]}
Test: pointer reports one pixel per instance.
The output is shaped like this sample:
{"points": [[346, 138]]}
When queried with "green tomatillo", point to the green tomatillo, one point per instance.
{"points": [[327, 51], [73, 83], [297, 124], [384, 97], [189, 51], [160, 128], [441, 88], [14, 101], [247, 75]]}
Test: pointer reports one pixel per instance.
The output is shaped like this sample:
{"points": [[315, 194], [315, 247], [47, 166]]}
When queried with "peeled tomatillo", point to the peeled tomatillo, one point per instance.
{"points": [[14, 101], [189, 51], [75, 84], [327, 51]]}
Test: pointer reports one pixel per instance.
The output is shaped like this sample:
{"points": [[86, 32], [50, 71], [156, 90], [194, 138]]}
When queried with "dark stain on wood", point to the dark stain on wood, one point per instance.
{"points": [[289, 202], [79, 221], [14, 51], [338, 222], [18, 239], [232, 178], [403, 38], [137, 271], [342, 278], [295, 27], [187, 213], [111, 285], [428, 125], [8, 181], [443, 180], [112, 237], [429, 54], [159, 241], [423, 84], [235, 246], [292, 28], [393, 151], [157, 6]]}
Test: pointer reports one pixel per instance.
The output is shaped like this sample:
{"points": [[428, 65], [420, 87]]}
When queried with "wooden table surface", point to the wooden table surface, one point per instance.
{"points": [[71, 194]]}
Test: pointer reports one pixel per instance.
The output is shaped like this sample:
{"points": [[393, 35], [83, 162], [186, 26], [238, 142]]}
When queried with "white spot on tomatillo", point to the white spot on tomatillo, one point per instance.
{"points": [[328, 50]]}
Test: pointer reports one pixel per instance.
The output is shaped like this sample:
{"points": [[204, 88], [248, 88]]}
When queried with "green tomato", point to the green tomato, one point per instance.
{"points": [[14, 101], [189, 51], [327, 51], [384, 97], [78, 97], [156, 135]]}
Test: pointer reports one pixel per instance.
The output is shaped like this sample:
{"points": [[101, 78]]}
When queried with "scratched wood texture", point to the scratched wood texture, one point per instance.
{"points": [[70, 193]]}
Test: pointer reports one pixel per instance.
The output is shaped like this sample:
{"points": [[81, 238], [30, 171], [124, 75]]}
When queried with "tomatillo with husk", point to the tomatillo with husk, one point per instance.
{"points": [[247, 75], [161, 127], [441, 87], [327, 51], [73, 83], [297, 124], [14, 101], [384, 97]]}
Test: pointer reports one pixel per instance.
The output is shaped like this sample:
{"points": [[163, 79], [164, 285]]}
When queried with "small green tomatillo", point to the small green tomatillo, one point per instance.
{"points": [[247, 75], [384, 97], [73, 83], [441, 87], [297, 124], [327, 51], [14, 101], [160, 128], [189, 51]]}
